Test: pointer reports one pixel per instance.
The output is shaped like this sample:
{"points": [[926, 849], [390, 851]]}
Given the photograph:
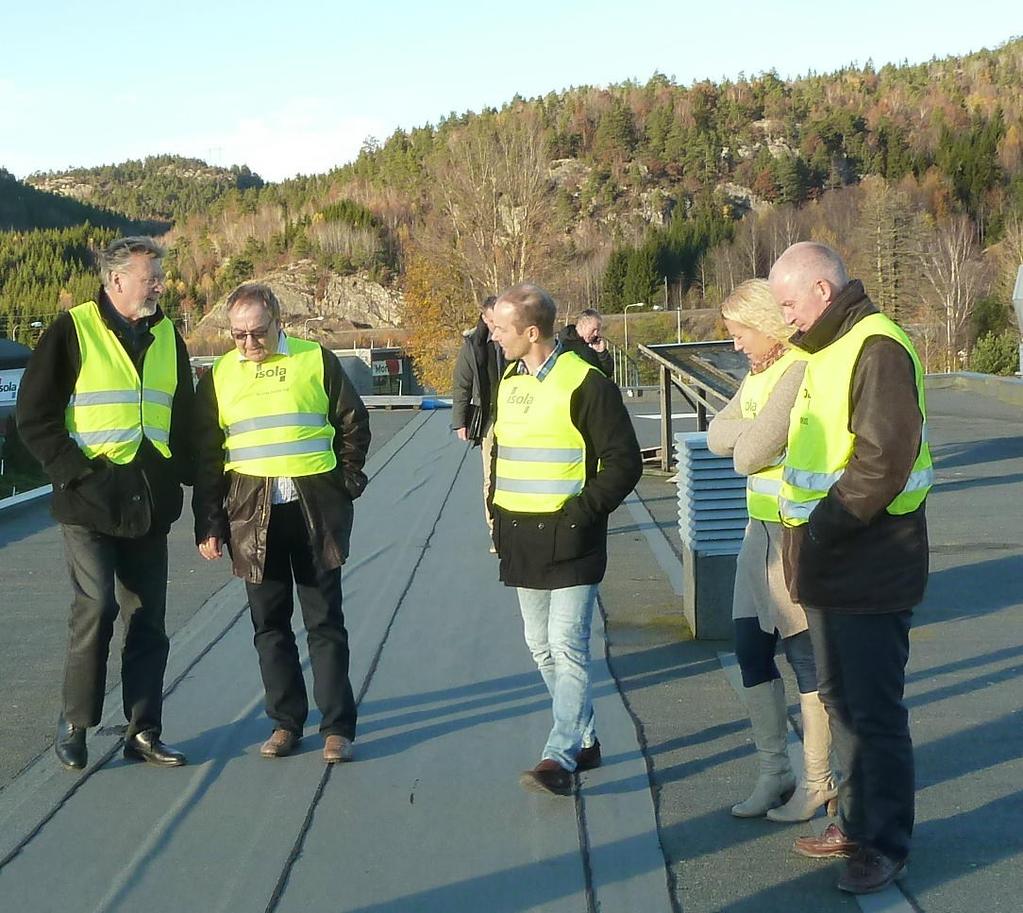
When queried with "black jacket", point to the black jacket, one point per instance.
{"points": [[236, 508], [474, 387], [569, 547], [571, 340], [131, 500], [853, 555]]}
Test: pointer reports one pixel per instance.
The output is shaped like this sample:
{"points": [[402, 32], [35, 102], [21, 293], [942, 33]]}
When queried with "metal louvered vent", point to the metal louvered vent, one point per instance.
{"points": [[711, 498]]}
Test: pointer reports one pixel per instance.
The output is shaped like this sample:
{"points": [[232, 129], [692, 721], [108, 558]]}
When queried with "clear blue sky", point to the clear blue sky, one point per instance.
{"points": [[295, 87]]}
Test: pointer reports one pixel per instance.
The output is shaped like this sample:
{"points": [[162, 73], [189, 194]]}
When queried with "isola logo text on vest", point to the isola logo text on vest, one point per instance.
{"points": [[515, 398], [750, 406], [278, 371]]}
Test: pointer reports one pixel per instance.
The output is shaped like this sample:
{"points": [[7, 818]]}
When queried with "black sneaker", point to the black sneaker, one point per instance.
{"points": [[588, 758]]}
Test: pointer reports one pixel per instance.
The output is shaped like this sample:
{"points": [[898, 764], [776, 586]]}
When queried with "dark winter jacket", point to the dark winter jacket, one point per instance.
{"points": [[571, 340], [852, 555], [236, 508], [569, 547], [477, 375], [131, 500]]}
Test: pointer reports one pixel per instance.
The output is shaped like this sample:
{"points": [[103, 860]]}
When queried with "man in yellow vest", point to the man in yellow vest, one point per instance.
{"points": [[566, 457], [106, 407], [282, 438], [857, 472]]}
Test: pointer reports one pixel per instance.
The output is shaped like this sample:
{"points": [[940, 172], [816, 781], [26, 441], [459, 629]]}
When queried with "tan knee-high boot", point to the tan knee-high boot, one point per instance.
{"points": [[766, 705], [817, 786]]}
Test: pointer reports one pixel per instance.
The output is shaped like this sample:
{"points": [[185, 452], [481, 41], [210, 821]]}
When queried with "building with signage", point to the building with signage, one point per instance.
{"points": [[13, 358]]}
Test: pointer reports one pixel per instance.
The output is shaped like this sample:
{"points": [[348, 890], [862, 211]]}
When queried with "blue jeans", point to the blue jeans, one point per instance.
{"points": [[557, 629]]}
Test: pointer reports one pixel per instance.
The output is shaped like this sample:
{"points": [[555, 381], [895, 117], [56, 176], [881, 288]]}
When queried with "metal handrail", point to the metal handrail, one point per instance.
{"points": [[702, 385], [626, 371]]}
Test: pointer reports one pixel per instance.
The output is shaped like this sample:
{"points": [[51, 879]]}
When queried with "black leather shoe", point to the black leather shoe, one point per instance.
{"points": [[869, 871], [588, 758], [69, 745], [146, 746], [548, 777]]}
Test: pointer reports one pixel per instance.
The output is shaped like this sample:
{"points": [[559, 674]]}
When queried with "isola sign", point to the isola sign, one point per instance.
{"points": [[9, 383]]}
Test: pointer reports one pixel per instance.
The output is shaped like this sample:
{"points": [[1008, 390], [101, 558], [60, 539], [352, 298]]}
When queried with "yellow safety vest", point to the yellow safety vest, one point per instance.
{"points": [[274, 413], [541, 455], [111, 408], [820, 443], [763, 487]]}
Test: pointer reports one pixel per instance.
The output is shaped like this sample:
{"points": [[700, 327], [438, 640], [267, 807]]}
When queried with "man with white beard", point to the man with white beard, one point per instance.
{"points": [[105, 406]]}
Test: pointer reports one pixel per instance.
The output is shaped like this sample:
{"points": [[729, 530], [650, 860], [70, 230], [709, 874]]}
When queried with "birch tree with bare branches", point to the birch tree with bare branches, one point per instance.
{"points": [[493, 207], [954, 273]]}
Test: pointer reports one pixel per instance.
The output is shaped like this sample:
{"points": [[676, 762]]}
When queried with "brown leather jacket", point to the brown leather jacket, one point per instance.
{"points": [[852, 555], [236, 508]]}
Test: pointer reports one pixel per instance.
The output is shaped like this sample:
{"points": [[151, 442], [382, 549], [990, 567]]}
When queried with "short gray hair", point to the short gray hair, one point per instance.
{"points": [[810, 261], [255, 292], [116, 256], [534, 307]]}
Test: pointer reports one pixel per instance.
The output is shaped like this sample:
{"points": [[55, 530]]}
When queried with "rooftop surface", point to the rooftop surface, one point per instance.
{"points": [[430, 816]]}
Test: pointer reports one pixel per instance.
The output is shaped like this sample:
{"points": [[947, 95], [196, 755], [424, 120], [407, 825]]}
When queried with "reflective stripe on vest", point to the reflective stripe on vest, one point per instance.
{"points": [[274, 413], [820, 443], [541, 456], [111, 409], [763, 487]]}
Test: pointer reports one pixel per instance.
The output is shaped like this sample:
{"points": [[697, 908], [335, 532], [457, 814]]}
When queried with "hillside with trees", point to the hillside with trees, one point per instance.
{"points": [[160, 187], [25, 208], [659, 193]]}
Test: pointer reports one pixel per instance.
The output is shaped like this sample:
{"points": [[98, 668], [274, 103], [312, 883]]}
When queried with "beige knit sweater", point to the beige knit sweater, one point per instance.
{"points": [[760, 590]]}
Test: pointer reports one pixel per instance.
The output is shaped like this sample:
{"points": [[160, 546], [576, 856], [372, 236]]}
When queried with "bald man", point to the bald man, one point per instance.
{"points": [[857, 473]]}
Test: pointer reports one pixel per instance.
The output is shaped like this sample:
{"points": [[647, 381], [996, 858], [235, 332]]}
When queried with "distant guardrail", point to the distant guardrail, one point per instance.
{"points": [[25, 497]]}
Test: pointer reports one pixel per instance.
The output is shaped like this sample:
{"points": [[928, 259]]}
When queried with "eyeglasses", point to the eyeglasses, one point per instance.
{"points": [[256, 335]]}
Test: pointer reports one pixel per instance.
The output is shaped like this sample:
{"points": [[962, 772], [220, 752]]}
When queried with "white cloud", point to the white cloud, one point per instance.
{"points": [[304, 137]]}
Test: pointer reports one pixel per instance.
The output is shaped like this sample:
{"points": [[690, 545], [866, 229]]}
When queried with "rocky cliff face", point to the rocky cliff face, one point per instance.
{"points": [[329, 308]]}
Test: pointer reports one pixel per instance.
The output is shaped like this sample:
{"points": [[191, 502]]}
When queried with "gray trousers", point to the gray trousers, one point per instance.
{"points": [[111, 576]]}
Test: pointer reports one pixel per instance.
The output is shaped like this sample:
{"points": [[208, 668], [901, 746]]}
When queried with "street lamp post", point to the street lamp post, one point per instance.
{"points": [[1017, 303], [310, 320], [625, 320]]}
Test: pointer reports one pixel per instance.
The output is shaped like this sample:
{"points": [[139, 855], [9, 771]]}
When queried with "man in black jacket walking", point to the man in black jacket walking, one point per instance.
{"points": [[282, 437], [474, 387], [106, 407], [567, 456]]}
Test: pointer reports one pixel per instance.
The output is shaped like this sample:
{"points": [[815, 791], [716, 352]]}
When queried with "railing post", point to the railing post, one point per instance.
{"points": [[701, 409], [667, 440]]}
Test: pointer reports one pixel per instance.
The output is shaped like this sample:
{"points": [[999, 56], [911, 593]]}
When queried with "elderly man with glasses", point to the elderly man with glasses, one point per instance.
{"points": [[282, 438], [105, 406]]}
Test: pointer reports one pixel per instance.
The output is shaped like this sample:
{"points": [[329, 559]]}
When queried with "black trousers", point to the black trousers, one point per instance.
{"points": [[861, 675], [271, 603], [110, 575]]}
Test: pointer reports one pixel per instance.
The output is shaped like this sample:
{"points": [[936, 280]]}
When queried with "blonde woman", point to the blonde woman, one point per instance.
{"points": [[753, 429]]}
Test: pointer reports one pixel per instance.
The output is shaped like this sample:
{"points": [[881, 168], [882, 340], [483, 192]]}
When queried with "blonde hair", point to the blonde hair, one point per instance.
{"points": [[753, 305]]}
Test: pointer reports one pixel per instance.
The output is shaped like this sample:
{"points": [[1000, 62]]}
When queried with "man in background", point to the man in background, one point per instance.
{"points": [[477, 374], [585, 338]]}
